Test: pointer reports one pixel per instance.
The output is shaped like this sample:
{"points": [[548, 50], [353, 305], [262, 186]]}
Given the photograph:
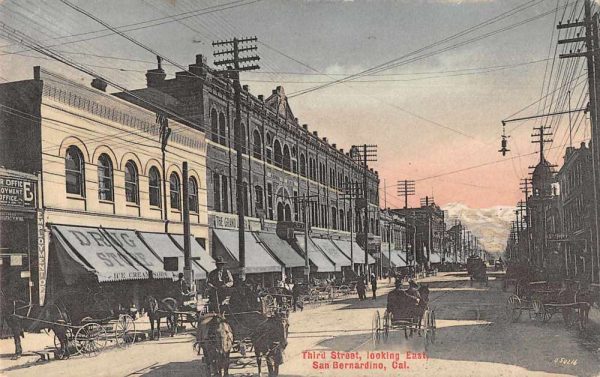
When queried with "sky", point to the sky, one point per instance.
{"points": [[435, 116]]}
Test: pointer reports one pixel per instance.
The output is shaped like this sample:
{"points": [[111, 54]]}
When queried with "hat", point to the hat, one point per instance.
{"points": [[413, 284], [219, 260]]}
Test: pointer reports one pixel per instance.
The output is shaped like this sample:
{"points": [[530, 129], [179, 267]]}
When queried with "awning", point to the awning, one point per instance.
{"points": [[281, 249], [435, 258], [163, 246], [258, 259], [332, 252], [91, 249], [359, 253], [316, 256], [128, 242], [397, 258], [197, 251]]}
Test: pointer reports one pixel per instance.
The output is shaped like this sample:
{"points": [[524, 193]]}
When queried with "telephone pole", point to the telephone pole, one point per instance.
{"points": [[236, 63], [365, 153], [406, 188], [351, 192], [165, 132]]}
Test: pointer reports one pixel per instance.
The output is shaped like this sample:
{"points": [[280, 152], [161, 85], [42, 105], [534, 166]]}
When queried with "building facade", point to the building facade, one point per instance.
{"points": [[108, 208], [285, 166]]}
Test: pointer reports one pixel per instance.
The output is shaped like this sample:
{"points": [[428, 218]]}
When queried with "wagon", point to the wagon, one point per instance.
{"points": [[382, 326]]}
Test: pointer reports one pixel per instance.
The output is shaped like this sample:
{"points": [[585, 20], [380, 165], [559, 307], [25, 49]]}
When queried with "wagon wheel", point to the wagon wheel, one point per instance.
{"points": [[375, 328], [513, 308], [192, 319], [59, 352], [387, 323], [427, 338], [432, 326], [90, 339], [124, 330]]}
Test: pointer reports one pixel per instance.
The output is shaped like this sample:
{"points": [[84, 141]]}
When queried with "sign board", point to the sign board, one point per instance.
{"points": [[42, 256], [285, 229], [171, 264], [17, 192]]}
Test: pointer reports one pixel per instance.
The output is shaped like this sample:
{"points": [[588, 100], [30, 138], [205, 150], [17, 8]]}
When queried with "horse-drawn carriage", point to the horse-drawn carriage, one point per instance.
{"points": [[477, 270], [408, 312], [249, 325], [543, 299]]}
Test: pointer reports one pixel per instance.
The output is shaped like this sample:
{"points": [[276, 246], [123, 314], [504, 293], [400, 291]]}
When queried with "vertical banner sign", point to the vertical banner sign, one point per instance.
{"points": [[42, 257]]}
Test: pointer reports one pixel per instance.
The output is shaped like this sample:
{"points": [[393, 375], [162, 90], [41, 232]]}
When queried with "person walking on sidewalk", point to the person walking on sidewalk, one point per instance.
{"points": [[360, 288], [374, 285]]}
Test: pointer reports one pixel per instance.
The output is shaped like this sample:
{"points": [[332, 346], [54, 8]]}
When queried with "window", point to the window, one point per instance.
{"points": [[294, 160], [216, 192], [256, 144], [154, 187], [193, 194], [105, 178], [75, 171], [270, 201], [280, 212], [278, 154], [222, 129], [333, 217], [245, 197], [244, 140], [258, 199], [131, 183], [296, 207], [342, 219], [302, 165], [288, 213], [287, 162], [268, 148], [214, 125], [224, 194], [175, 189]]}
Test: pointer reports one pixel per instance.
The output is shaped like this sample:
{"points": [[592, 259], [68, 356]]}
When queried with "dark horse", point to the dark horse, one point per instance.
{"points": [[215, 337], [20, 317], [270, 340], [160, 309]]}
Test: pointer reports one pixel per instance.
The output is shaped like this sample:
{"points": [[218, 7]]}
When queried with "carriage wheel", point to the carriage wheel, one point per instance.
{"points": [[375, 328], [192, 319], [513, 308], [90, 339], [432, 326], [124, 330], [426, 329], [387, 323], [60, 353]]}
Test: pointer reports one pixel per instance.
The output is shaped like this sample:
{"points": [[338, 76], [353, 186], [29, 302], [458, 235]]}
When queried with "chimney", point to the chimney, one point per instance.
{"points": [[325, 139], [154, 77], [245, 88], [261, 98], [334, 146], [305, 126], [200, 59], [342, 150], [99, 84], [199, 68], [316, 133]]}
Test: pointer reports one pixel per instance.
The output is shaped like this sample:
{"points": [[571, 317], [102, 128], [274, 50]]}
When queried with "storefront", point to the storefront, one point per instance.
{"points": [[18, 236]]}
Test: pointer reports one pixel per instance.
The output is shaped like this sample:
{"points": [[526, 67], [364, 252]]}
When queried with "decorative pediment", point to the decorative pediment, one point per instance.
{"points": [[279, 104]]}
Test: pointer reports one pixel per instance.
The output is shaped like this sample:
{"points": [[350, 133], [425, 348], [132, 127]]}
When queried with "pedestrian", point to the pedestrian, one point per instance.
{"points": [[374, 285], [360, 288], [296, 296]]}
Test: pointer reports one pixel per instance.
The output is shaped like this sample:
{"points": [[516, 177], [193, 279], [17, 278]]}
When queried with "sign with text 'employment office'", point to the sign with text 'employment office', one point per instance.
{"points": [[17, 192]]}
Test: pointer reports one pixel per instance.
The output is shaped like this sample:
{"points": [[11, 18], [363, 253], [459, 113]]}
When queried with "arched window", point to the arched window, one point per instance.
{"points": [[154, 187], [349, 223], [258, 200], [287, 161], [244, 138], [294, 160], [342, 220], [268, 148], [193, 194], [175, 189], [280, 211], [278, 154], [222, 129], [75, 171], [302, 165], [105, 178], [257, 144], [214, 125], [288, 213], [131, 183]]}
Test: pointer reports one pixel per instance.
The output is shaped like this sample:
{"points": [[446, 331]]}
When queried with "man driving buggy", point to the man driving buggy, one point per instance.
{"points": [[398, 299], [218, 281]]}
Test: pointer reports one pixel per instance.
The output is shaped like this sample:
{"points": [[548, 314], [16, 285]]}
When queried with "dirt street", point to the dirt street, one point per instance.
{"points": [[473, 338]]}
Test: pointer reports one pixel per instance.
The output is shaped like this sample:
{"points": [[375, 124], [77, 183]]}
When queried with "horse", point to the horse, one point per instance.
{"points": [[215, 337], [48, 317], [270, 340], [158, 309]]}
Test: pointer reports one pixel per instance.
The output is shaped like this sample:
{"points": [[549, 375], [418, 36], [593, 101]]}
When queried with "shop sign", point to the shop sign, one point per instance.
{"points": [[226, 222], [42, 257], [17, 192]]}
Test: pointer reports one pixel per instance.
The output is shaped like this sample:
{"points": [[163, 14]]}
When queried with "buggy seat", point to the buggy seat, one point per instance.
{"points": [[401, 305]]}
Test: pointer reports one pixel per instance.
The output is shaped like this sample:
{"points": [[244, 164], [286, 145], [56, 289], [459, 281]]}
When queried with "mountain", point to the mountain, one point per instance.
{"points": [[490, 225]]}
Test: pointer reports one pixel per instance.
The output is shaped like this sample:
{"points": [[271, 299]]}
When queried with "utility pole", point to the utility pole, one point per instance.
{"points": [[592, 55], [525, 186], [234, 64], [305, 201], [165, 132], [366, 153], [350, 194], [406, 188]]}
